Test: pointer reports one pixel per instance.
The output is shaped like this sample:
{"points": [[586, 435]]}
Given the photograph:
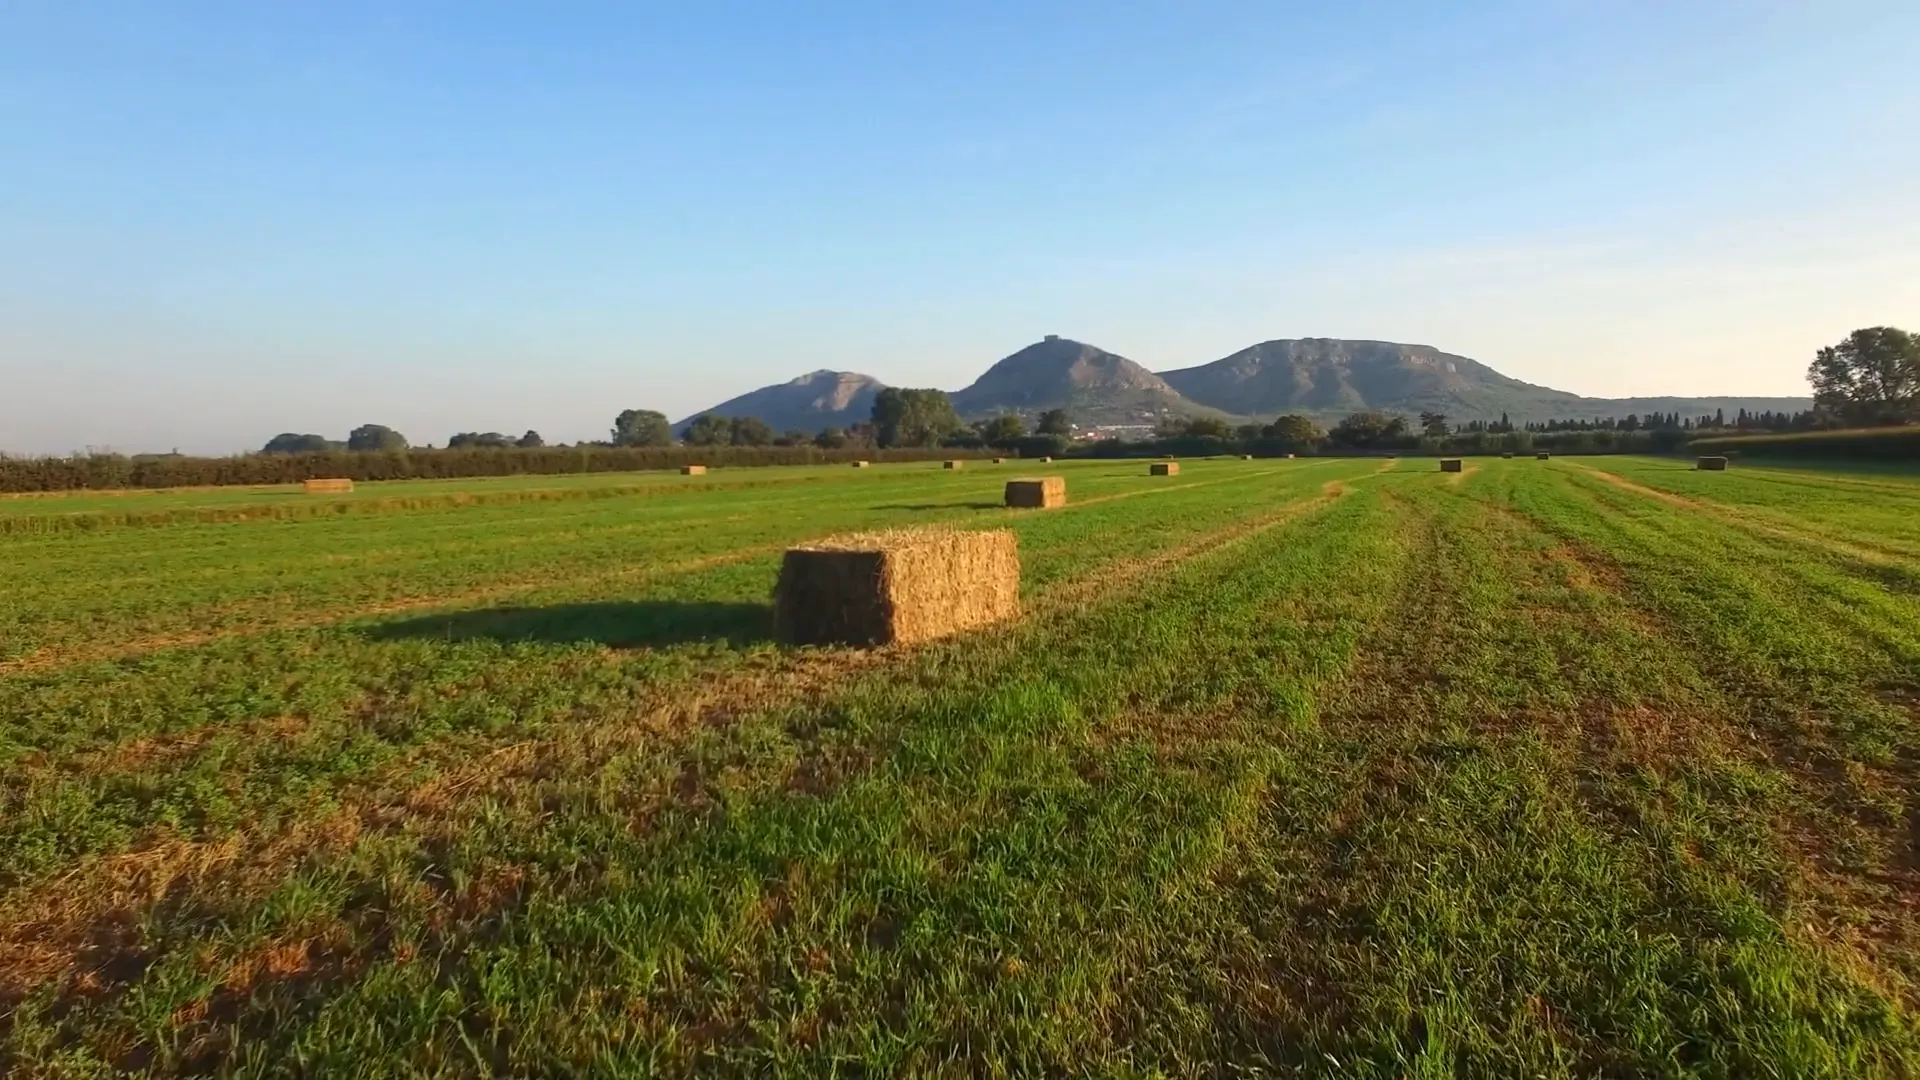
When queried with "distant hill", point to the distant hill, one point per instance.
{"points": [[1333, 377], [1095, 385], [816, 400], [1322, 377]]}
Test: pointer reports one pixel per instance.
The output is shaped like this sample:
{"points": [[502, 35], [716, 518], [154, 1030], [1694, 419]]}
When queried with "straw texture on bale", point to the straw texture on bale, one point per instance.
{"points": [[896, 587], [328, 486], [1164, 468], [693, 470], [1451, 464], [1712, 464], [1040, 493], [952, 464]]}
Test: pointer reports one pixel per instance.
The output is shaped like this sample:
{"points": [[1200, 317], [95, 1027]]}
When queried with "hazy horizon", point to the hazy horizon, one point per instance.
{"points": [[224, 223]]}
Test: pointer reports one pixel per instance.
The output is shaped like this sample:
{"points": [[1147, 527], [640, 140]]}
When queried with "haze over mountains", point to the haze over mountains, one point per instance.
{"points": [[1321, 377]]}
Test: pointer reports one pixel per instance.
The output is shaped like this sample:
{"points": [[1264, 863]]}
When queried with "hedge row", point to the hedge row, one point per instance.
{"points": [[108, 472], [1874, 444]]}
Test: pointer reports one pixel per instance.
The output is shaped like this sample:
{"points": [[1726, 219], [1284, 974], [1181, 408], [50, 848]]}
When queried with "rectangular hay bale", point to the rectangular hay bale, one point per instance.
{"points": [[863, 464], [693, 470], [999, 461], [1164, 468], [1542, 456], [1037, 493], [334, 485], [952, 464], [1506, 453], [1712, 464], [1451, 464], [896, 587], [1046, 461]]}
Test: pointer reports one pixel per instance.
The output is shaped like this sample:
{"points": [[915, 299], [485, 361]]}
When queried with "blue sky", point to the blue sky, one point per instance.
{"points": [[219, 221]]}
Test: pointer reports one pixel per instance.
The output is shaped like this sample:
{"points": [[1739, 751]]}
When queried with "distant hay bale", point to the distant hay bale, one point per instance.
{"points": [[952, 464], [1040, 493], [328, 486], [693, 470], [999, 461], [1046, 461], [1506, 453], [863, 464], [1712, 464], [1164, 468], [896, 587], [1451, 464], [1542, 456], [1289, 457], [1246, 457]]}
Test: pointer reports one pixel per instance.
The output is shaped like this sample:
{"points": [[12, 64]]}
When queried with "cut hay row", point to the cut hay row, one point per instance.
{"points": [[328, 486], [1040, 493], [896, 587]]}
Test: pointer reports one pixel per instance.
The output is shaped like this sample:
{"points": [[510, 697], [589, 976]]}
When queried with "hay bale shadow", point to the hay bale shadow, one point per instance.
{"points": [[940, 506], [616, 624]]}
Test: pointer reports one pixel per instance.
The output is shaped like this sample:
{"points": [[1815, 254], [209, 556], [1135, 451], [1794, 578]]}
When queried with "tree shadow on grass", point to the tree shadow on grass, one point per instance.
{"points": [[619, 625], [942, 506]]}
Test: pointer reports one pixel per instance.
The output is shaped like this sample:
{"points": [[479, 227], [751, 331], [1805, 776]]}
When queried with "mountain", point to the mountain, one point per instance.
{"points": [[813, 401], [1095, 385], [1333, 377]]}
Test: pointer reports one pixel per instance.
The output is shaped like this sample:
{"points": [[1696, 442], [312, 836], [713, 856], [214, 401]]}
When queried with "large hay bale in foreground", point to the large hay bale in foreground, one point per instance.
{"points": [[952, 464], [1712, 464], [1451, 464], [1164, 468], [896, 587], [693, 470], [1040, 493], [328, 486]]}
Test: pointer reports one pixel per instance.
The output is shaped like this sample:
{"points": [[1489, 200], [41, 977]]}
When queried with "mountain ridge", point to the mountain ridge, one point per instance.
{"points": [[1324, 378]]}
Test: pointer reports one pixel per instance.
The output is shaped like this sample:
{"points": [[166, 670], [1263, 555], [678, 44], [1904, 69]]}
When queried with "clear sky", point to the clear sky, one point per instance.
{"points": [[219, 221]]}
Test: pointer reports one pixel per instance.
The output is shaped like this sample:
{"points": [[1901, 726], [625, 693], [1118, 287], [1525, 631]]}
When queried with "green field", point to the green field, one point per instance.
{"points": [[1320, 767]]}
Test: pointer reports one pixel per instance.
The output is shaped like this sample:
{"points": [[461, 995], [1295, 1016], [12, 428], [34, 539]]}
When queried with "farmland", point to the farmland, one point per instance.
{"points": [[1336, 767]]}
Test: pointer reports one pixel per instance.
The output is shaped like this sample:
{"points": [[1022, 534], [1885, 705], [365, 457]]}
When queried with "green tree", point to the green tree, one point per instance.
{"points": [[1873, 377], [468, 440], [1296, 431], [1434, 425], [830, 438], [371, 437], [530, 441], [903, 417], [1364, 430], [290, 443], [1001, 430], [642, 427], [1055, 422], [708, 430], [749, 431], [1206, 427]]}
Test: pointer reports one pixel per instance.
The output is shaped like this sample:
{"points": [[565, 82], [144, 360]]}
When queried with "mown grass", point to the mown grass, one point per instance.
{"points": [[1292, 768]]}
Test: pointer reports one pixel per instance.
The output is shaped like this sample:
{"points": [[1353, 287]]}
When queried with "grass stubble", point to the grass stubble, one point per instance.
{"points": [[1305, 768]]}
